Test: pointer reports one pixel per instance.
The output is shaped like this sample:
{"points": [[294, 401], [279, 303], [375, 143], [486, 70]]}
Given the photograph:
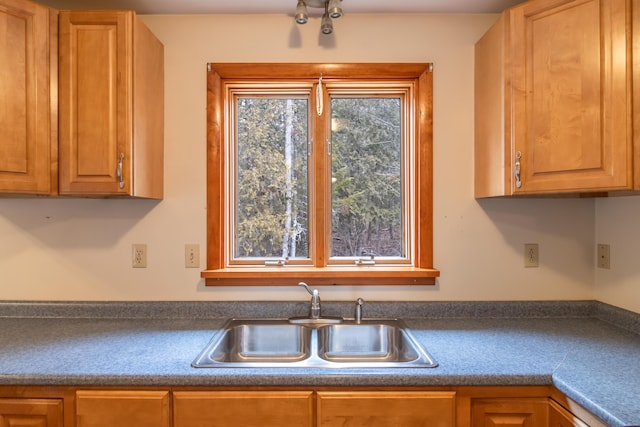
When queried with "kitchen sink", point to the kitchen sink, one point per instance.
{"points": [[280, 343], [376, 342], [261, 341]]}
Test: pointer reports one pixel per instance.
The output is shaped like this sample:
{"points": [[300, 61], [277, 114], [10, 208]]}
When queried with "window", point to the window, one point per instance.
{"points": [[319, 172]]}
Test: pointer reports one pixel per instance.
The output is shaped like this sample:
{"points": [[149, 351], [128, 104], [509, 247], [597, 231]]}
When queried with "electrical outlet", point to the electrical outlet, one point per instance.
{"points": [[139, 255], [604, 258], [531, 255], [192, 255]]}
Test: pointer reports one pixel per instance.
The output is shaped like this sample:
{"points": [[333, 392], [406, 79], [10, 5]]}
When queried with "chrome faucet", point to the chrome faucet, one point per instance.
{"points": [[358, 314], [314, 312]]}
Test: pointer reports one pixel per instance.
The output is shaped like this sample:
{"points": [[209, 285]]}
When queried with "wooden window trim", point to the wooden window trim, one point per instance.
{"points": [[422, 273]]}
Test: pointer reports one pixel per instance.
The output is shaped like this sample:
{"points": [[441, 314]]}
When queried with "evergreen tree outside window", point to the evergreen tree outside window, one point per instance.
{"points": [[270, 182], [368, 192]]}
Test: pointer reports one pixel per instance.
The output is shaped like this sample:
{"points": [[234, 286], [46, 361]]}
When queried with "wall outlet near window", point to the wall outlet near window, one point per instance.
{"points": [[139, 255], [531, 258], [604, 258], [192, 255]]}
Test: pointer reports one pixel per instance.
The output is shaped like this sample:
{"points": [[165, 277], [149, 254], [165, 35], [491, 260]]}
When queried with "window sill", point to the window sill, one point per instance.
{"points": [[290, 275]]}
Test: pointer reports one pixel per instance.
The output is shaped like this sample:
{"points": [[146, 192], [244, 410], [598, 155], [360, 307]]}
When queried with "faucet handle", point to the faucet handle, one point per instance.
{"points": [[358, 312]]}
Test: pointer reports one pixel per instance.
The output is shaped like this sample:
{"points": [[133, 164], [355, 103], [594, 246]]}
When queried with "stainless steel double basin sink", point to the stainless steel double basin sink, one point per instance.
{"points": [[375, 343]]}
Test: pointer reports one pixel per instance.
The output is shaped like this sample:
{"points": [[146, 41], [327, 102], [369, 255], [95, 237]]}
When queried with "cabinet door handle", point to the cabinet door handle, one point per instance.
{"points": [[119, 171], [517, 169]]}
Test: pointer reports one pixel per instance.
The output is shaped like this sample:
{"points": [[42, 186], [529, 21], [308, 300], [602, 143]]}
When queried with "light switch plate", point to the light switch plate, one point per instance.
{"points": [[604, 256], [191, 255]]}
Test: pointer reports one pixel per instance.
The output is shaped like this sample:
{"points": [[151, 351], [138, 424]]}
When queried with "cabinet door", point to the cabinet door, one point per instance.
{"points": [[386, 409], [243, 409], [31, 412], [26, 145], [509, 412], [571, 98], [106, 408], [95, 102]]}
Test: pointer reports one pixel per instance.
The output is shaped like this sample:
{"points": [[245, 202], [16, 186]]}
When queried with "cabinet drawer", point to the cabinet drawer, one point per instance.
{"points": [[105, 408], [386, 408], [243, 408]]}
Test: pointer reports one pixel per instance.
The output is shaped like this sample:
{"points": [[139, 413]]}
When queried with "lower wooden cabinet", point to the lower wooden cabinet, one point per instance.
{"points": [[243, 408], [114, 408], [386, 409], [31, 412], [527, 406], [510, 412]]}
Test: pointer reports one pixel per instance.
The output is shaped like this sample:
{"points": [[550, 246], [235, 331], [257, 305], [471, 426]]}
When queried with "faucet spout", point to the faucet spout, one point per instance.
{"points": [[315, 315], [315, 310]]}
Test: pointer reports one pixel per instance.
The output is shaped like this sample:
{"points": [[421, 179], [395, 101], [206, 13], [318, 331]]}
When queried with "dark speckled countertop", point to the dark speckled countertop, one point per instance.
{"points": [[587, 349]]}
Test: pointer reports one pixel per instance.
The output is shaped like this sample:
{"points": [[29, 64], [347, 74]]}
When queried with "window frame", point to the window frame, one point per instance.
{"points": [[420, 273]]}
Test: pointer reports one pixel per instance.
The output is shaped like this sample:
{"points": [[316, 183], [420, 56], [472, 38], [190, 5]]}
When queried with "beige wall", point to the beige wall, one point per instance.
{"points": [[617, 226], [81, 249]]}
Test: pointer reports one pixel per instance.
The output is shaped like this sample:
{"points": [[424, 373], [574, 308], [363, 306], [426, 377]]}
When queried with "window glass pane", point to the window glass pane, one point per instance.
{"points": [[271, 189], [366, 177]]}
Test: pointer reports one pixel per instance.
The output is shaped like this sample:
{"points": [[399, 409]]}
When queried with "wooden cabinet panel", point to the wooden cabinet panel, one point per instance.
{"points": [[492, 115], [243, 408], [560, 417], [31, 413], [111, 105], [106, 408], [27, 128], [553, 100], [509, 412], [94, 78], [386, 409]]}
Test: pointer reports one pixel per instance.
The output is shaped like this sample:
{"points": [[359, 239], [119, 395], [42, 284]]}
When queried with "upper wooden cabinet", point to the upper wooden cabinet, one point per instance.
{"points": [[553, 100], [111, 92], [28, 54]]}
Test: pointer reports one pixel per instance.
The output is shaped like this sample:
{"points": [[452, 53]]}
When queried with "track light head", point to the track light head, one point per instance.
{"points": [[335, 9], [326, 26], [302, 16]]}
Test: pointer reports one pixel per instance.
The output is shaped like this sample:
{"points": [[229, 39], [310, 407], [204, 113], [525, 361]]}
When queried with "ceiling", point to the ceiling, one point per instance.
{"points": [[284, 6]]}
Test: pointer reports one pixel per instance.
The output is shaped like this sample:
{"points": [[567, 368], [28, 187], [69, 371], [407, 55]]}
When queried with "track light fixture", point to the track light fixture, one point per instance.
{"points": [[332, 10]]}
